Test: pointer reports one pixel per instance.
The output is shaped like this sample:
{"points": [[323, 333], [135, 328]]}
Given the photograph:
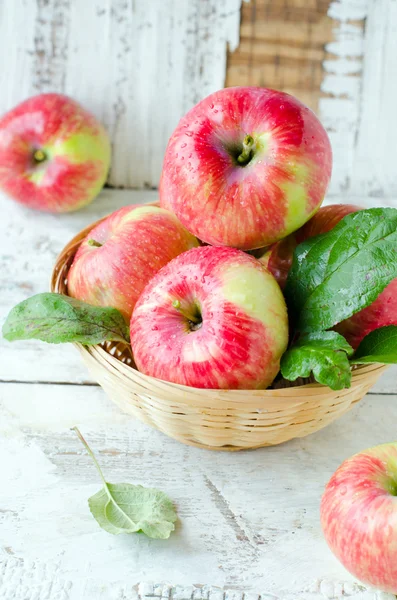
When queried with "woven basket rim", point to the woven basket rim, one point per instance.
{"points": [[100, 354], [357, 373]]}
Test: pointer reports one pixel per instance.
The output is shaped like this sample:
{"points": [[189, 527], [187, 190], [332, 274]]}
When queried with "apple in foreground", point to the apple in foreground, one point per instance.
{"points": [[121, 254], [214, 317], [245, 167], [54, 155], [278, 259], [359, 516]]}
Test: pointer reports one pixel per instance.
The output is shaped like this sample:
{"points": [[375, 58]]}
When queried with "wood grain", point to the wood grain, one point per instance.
{"points": [[282, 45], [340, 58], [138, 65], [242, 516]]}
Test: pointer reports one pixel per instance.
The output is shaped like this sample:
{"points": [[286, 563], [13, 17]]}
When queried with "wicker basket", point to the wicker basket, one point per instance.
{"points": [[213, 419]]}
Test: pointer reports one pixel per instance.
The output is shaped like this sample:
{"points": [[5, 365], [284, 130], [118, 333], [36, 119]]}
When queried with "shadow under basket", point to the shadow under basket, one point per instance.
{"points": [[213, 419]]}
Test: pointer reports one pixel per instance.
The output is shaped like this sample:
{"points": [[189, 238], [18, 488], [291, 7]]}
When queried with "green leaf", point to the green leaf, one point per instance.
{"points": [[338, 273], [379, 346], [323, 353], [126, 508], [56, 319]]}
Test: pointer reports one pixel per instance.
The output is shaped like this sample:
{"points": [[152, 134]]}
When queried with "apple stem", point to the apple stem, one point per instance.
{"points": [[248, 148], [39, 156], [192, 318], [94, 243]]}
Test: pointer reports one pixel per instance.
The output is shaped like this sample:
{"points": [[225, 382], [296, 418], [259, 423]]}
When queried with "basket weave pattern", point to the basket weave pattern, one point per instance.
{"points": [[214, 419]]}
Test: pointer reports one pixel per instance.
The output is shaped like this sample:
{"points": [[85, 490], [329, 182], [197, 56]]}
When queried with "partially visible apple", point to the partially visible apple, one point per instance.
{"points": [[214, 317], [359, 516], [245, 167], [54, 155], [278, 259], [121, 254]]}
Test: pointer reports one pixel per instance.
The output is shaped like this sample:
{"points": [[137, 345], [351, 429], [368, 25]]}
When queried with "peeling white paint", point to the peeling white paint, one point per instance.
{"points": [[360, 85], [240, 532], [240, 521], [138, 65]]}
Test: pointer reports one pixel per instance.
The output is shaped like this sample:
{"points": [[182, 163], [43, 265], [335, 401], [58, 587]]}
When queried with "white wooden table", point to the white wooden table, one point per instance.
{"points": [[249, 522]]}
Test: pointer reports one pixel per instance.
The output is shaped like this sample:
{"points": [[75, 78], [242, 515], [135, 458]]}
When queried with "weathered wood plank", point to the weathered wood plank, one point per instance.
{"points": [[360, 91], [282, 45], [342, 94], [340, 58], [242, 516], [374, 169], [138, 65]]}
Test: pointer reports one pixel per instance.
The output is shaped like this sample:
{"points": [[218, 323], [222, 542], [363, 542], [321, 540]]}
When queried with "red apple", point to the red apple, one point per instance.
{"points": [[121, 254], [54, 155], [278, 259], [359, 516], [246, 167], [212, 318]]}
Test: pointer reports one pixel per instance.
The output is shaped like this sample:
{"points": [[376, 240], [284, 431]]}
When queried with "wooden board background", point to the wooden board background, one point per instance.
{"points": [[139, 65], [249, 521]]}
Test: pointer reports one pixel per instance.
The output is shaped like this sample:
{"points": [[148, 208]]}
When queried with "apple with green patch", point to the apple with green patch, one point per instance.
{"points": [[123, 252], [359, 516], [214, 317], [245, 167], [54, 154]]}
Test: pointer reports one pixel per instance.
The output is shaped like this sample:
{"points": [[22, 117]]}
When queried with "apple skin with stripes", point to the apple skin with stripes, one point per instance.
{"points": [[122, 253], [54, 154], [245, 167], [214, 317], [359, 516]]}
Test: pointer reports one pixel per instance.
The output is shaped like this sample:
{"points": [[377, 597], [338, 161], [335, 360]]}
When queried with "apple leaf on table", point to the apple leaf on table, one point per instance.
{"points": [[336, 274], [126, 508], [323, 353], [379, 346], [57, 319]]}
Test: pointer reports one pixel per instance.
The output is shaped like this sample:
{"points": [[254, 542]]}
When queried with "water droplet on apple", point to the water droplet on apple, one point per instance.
{"points": [[343, 490], [183, 145], [189, 133], [211, 105], [215, 111], [155, 328], [282, 106]]}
